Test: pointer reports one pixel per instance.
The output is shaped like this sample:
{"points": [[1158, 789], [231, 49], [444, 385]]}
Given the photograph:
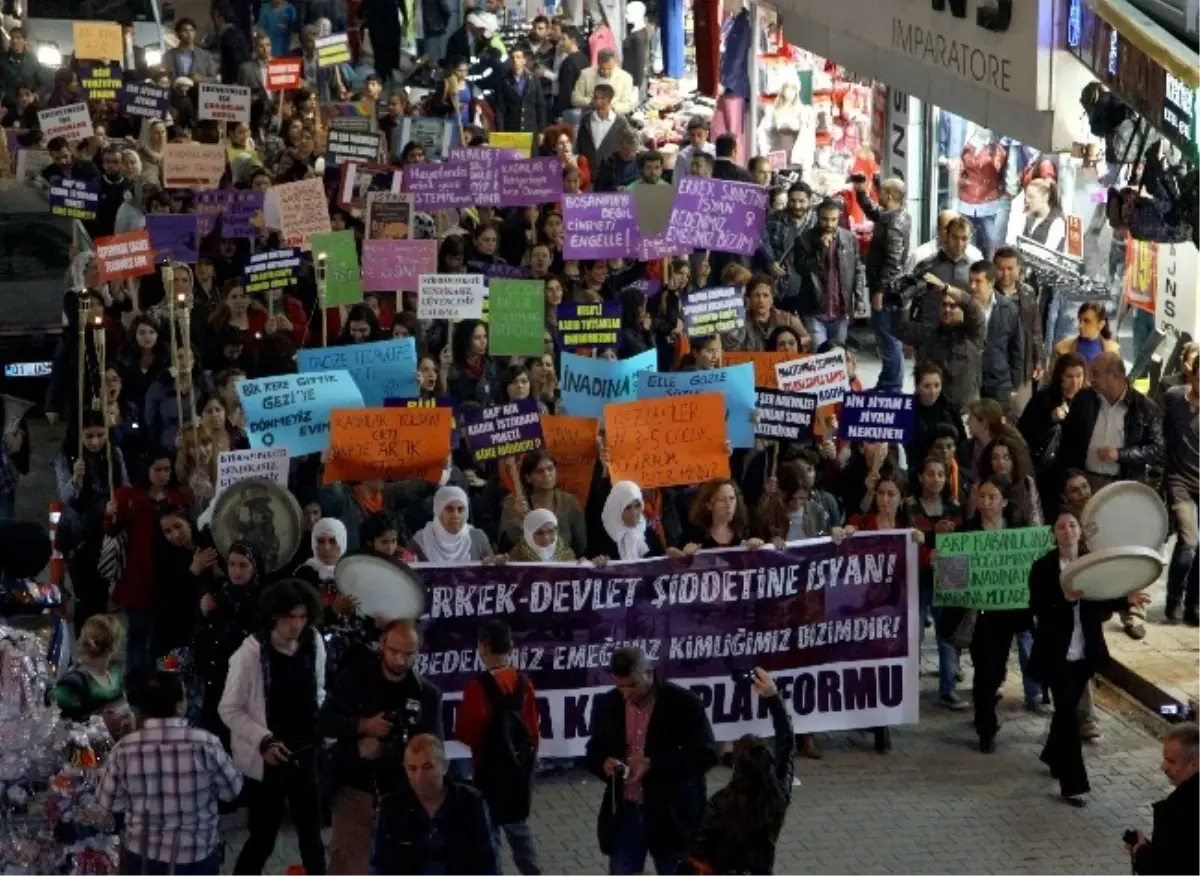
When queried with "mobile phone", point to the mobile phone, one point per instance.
{"points": [[742, 676]]}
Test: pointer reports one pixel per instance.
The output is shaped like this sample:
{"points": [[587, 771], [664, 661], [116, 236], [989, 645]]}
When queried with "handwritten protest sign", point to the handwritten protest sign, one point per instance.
{"points": [[75, 198], [141, 100], [717, 214], [73, 122], [388, 443], [98, 41], [572, 443], [877, 417], [224, 103], [343, 282], [174, 236], [303, 211], [333, 50], [589, 326], [391, 265], [764, 364], [517, 317], [353, 146], [712, 311], [504, 430], [513, 141], [274, 269], [292, 410], [193, 165], [823, 375], [100, 79], [389, 216], [284, 74], [990, 569], [590, 384], [439, 186], [667, 442], [382, 369], [239, 465], [124, 255], [736, 384], [784, 415], [485, 172], [600, 225], [531, 182], [451, 296], [434, 135]]}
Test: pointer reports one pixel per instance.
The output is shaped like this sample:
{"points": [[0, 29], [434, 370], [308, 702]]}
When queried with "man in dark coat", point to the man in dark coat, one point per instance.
{"points": [[1172, 847], [886, 257], [651, 745], [385, 23], [1004, 344], [573, 63], [954, 342], [600, 129], [517, 100], [233, 45]]}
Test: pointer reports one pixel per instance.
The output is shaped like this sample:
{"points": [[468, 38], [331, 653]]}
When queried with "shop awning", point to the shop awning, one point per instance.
{"points": [[1151, 38]]}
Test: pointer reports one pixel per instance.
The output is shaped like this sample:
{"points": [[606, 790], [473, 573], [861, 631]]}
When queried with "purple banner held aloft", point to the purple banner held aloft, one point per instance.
{"points": [[718, 214], [504, 430], [531, 182], [438, 186], [174, 236], [209, 205], [244, 216], [836, 626], [599, 225], [391, 265]]}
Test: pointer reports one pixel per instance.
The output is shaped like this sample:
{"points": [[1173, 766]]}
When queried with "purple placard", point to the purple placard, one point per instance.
{"points": [[475, 155], [244, 215], [444, 186], [209, 205], [599, 225], [878, 417], [655, 247], [174, 236], [141, 100], [684, 617], [504, 430], [531, 182], [391, 265], [718, 214]]}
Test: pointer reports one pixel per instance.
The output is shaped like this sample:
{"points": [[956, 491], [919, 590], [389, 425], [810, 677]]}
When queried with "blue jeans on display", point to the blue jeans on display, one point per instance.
{"points": [[891, 351], [823, 329], [1033, 690], [629, 844], [132, 862], [524, 849], [947, 653]]}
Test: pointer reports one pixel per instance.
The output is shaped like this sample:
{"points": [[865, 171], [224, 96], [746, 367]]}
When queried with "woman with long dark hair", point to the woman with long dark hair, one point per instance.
{"points": [[1041, 421], [743, 820], [472, 373]]}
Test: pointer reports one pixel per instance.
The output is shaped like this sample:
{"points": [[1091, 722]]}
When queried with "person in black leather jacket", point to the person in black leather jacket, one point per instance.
{"points": [[886, 257], [1171, 847]]}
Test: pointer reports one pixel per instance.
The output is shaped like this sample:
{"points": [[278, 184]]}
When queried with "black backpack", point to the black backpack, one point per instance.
{"points": [[504, 774]]}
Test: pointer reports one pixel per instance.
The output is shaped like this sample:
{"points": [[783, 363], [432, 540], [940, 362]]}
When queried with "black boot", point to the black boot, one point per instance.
{"points": [[883, 739]]}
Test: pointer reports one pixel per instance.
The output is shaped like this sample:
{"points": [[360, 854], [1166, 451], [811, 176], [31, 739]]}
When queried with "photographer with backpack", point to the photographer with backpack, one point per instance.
{"points": [[498, 721]]}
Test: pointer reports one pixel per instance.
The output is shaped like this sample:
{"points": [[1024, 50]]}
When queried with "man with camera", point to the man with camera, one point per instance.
{"points": [[373, 712], [955, 340], [651, 745], [1172, 846]]}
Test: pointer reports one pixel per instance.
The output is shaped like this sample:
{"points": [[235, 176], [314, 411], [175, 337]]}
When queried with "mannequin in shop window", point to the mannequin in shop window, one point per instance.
{"points": [[787, 122], [982, 178], [1044, 219], [635, 50]]}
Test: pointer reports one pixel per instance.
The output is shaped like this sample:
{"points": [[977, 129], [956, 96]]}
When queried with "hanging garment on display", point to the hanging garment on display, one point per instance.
{"points": [[735, 60], [671, 26]]}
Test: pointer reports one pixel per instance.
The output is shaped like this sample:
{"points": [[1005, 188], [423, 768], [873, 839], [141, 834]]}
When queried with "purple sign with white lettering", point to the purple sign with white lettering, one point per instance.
{"points": [[531, 182], [836, 626], [444, 186], [504, 430], [718, 214], [599, 225]]}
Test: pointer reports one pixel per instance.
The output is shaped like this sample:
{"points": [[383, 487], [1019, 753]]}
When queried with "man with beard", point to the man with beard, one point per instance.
{"points": [[779, 240]]}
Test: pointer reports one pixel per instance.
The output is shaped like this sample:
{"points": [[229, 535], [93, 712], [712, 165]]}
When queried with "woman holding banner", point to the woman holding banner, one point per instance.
{"points": [[449, 539], [541, 542]]}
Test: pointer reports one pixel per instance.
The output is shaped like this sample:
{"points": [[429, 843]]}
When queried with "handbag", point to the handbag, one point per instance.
{"points": [[1045, 456], [114, 554]]}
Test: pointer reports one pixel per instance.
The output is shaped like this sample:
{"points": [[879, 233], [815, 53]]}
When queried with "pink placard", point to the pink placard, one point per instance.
{"points": [[396, 265]]}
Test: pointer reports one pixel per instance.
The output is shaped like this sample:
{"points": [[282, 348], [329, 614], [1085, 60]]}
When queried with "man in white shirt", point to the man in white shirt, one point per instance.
{"points": [[697, 131], [929, 248], [600, 129]]}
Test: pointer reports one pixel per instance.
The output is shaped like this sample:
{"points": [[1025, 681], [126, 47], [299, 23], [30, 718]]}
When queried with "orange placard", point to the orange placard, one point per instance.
{"points": [[98, 41], [1074, 235], [764, 365], [572, 443], [124, 255], [388, 443], [667, 442], [284, 74], [193, 165]]}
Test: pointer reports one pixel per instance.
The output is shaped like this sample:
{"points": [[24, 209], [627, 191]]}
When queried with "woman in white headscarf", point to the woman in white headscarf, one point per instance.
{"points": [[448, 539], [625, 525], [328, 545], [541, 543]]}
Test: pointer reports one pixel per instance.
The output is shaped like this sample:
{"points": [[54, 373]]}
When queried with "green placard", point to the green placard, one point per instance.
{"points": [[343, 282], [517, 317], [988, 570]]}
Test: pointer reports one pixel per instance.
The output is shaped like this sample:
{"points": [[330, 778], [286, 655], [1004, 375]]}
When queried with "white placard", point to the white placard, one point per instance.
{"points": [[238, 465], [451, 296], [73, 122], [823, 375], [1176, 288], [224, 103]]}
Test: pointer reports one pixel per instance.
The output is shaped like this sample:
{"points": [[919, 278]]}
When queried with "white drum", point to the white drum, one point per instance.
{"points": [[1113, 572], [1125, 514], [384, 588]]}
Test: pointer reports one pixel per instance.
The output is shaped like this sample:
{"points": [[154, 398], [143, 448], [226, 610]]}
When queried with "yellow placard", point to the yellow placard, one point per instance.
{"points": [[518, 141], [98, 41]]}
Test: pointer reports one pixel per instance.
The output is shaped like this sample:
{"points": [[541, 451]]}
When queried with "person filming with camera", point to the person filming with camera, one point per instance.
{"points": [[373, 712], [1171, 847]]}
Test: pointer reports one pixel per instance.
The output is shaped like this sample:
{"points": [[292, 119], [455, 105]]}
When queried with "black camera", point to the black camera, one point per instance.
{"points": [[1129, 837], [903, 291], [742, 676], [404, 722], [621, 770]]}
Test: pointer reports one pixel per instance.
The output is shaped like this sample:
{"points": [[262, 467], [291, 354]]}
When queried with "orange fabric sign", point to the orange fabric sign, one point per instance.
{"points": [[667, 442], [764, 365], [388, 443], [572, 443]]}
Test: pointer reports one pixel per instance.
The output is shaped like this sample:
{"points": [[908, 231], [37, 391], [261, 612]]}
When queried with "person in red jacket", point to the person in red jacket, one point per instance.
{"points": [[474, 715]]}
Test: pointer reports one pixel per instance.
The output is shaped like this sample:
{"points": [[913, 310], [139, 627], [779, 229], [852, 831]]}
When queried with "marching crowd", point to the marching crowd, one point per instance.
{"points": [[1018, 421]]}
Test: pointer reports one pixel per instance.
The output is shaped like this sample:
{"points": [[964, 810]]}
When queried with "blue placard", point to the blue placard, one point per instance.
{"points": [[590, 384], [74, 198], [877, 417], [736, 383], [382, 369], [293, 410], [174, 236]]}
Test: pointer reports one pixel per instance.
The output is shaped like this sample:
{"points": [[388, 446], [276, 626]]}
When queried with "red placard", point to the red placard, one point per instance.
{"points": [[283, 74], [125, 255]]}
